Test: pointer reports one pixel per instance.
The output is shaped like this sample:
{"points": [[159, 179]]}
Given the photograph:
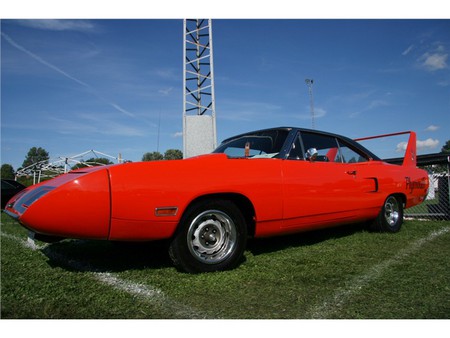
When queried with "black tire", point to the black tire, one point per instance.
{"points": [[390, 218], [211, 236]]}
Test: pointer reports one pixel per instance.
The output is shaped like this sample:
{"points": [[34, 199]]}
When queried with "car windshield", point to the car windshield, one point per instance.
{"points": [[262, 144]]}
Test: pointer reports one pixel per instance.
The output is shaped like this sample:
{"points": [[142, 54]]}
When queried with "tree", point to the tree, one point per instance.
{"points": [[446, 148], [35, 155], [440, 168], [173, 154], [170, 154], [153, 156], [7, 171]]}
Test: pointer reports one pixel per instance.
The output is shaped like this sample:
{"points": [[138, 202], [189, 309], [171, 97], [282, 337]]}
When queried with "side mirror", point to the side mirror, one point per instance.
{"points": [[311, 154]]}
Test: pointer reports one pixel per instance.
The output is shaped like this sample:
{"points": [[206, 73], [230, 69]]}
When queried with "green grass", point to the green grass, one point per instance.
{"points": [[345, 272]]}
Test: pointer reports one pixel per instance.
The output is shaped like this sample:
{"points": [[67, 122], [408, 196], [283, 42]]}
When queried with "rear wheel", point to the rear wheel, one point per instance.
{"points": [[211, 237], [390, 218]]}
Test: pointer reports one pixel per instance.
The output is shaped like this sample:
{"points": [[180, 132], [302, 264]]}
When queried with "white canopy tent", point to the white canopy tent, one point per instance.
{"points": [[63, 164]]}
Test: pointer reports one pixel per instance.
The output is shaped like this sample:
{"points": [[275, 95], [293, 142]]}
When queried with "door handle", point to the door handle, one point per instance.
{"points": [[351, 172]]}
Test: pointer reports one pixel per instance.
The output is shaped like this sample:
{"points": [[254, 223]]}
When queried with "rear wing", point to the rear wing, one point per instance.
{"points": [[410, 158]]}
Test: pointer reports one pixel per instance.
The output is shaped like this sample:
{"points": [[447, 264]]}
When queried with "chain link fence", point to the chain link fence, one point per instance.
{"points": [[437, 203]]}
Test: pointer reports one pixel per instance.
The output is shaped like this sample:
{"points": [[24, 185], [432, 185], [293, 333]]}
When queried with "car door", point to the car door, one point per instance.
{"points": [[322, 187]]}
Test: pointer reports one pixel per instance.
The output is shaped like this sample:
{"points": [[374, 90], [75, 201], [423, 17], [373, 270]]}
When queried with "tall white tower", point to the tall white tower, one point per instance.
{"points": [[199, 115]]}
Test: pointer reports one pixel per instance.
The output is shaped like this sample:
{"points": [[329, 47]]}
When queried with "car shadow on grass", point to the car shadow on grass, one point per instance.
{"points": [[104, 256], [271, 244]]}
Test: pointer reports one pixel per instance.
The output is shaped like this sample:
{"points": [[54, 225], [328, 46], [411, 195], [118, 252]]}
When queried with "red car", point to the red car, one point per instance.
{"points": [[264, 183]]}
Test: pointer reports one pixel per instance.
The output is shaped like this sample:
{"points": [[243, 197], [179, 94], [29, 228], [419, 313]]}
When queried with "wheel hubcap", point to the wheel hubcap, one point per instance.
{"points": [[391, 211], [211, 236]]}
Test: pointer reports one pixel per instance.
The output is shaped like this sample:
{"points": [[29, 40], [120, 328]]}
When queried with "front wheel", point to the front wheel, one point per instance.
{"points": [[390, 218], [211, 237]]}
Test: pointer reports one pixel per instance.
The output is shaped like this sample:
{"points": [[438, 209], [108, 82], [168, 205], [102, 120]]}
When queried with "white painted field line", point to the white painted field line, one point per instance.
{"points": [[333, 304], [29, 243], [144, 292], [155, 295]]}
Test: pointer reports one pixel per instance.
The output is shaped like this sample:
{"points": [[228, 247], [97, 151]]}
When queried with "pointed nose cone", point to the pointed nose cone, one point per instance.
{"points": [[74, 205]]}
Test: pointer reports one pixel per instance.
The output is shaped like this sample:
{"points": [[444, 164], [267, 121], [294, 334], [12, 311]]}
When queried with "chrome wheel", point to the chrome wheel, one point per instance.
{"points": [[390, 218], [211, 236], [391, 211]]}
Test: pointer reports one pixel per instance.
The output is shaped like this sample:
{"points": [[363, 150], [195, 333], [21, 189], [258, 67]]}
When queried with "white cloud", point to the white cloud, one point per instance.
{"points": [[166, 74], [401, 147], [434, 61], [119, 108], [91, 124], [166, 91], [59, 25], [318, 113], [432, 127], [407, 50], [41, 60], [65, 74], [177, 134], [238, 110], [373, 104], [377, 103], [427, 144]]}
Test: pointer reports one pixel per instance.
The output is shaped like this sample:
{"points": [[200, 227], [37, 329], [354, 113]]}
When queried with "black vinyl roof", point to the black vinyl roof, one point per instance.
{"points": [[347, 140]]}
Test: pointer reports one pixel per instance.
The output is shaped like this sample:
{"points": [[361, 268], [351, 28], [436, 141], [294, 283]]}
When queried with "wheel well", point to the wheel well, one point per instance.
{"points": [[401, 197], [241, 201]]}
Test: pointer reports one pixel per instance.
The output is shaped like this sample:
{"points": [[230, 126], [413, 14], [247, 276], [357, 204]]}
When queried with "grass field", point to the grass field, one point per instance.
{"points": [[345, 272]]}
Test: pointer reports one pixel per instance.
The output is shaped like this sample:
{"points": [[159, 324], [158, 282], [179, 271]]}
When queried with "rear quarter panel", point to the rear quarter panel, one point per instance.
{"points": [[407, 181]]}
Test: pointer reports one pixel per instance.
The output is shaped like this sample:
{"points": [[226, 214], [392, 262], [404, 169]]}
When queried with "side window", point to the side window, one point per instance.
{"points": [[296, 152], [325, 147], [348, 155]]}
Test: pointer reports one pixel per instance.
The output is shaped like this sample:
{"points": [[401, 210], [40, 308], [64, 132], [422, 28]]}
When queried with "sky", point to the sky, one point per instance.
{"points": [[115, 86]]}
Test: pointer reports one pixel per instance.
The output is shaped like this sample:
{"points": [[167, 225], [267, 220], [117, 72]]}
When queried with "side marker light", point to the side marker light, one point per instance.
{"points": [[166, 211]]}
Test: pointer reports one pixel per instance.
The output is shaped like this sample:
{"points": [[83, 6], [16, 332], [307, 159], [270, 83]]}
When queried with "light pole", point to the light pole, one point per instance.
{"points": [[309, 83]]}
